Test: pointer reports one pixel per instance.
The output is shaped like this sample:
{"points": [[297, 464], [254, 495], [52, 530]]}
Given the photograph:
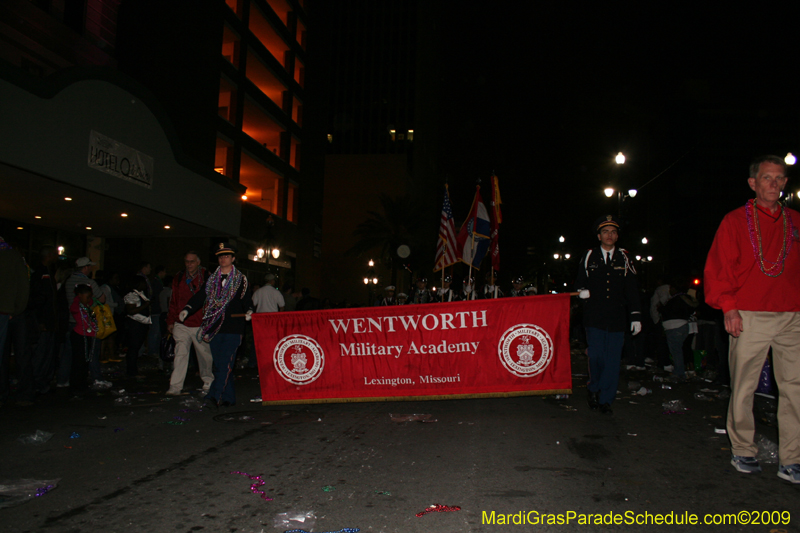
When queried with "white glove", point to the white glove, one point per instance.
{"points": [[636, 327], [182, 315], [584, 294], [248, 315]]}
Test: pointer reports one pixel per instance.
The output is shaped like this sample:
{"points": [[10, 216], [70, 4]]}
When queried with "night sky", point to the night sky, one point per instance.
{"points": [[546, 97]]}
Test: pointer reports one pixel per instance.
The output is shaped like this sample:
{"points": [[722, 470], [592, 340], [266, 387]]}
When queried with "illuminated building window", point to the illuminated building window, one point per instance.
{"points": [[410, 135], [259, 125], [227, 98], [230, 46], [301, 34], [299, 72], [393, 134], [282, 9], [265, 79], [292, 203], [264, 185], [297, 111], [294, 155], [330, 137], [265, 33], [223, 157], [235, 6]]}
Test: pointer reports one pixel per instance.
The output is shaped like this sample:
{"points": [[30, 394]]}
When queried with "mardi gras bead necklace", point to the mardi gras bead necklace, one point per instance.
{"points": [[219, 293], [89, 325], [772, 269]]}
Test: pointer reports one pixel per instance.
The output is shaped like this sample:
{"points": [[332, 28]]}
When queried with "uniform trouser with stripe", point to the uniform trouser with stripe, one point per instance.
{"points": [[605, 352], [223, 350], [747, 353]]}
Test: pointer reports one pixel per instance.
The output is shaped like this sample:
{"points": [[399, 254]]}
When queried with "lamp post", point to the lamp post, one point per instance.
{"points": [[370, 280], [610, 191]]}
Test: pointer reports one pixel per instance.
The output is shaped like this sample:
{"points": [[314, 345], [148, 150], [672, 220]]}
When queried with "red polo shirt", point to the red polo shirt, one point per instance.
{"points": [[733, 276]]}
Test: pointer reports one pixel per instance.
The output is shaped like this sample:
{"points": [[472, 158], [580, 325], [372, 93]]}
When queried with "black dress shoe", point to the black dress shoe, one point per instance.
{"points": [[211, 403], [594, 400], [606, 409]]}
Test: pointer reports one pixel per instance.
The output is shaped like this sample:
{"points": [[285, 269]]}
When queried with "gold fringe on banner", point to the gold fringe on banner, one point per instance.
{"points": [[421, 398]]}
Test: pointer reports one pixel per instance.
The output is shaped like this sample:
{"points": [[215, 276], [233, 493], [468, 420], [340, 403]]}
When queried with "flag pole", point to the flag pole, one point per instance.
{"points": [[443, 256]]}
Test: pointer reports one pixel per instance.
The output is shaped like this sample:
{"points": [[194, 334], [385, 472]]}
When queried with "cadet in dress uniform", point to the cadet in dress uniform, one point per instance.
{"points": [[388, 299], [468, 291], [421, 294], [446, 294], [517, 285], [607, 285], [491, 290]]}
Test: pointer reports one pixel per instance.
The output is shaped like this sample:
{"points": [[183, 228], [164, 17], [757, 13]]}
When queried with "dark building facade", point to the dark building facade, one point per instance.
{"points": [[211, 93]]}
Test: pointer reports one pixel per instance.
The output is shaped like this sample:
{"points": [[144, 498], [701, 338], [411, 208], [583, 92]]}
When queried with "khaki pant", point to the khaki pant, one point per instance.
{"points": [[747, 355], [184, 338]]}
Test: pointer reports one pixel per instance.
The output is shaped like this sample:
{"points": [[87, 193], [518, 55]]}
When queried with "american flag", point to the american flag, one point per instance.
{"points": [[446, 248]]}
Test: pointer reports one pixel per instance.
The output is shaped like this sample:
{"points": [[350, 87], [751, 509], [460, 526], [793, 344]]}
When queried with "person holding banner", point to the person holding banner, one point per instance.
{"points": [[607, 285], [226, 300]]}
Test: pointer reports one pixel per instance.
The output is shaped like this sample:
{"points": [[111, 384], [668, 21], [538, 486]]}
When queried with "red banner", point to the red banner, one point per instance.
{"points": [[502, 347]]}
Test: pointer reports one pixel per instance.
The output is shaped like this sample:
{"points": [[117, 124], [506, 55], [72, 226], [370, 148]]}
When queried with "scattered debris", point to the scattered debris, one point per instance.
{"points": [[673, 407], [36, 438], [295, 519], [258, 483], [17, 492], [412, 418], [767, 450], [437, 508]]}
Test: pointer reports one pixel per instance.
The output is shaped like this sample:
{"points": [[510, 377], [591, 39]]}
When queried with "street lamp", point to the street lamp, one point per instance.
{"points": [[620, 158], [370, 280], [609, 192], [790, 159], [644, 240], [561, 239]]}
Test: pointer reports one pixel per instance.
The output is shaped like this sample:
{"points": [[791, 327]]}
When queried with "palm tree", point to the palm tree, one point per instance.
{"points": [[404, 221]]}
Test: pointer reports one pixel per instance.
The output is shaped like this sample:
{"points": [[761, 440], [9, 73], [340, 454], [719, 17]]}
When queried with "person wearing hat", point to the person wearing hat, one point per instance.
{"points": [[389, 298], [268, 299], [80, 276], [468, 291], [517, 285], [421, 294], [225, 300], [490, 288], [402, 298], [607, 284], [446, 294]]}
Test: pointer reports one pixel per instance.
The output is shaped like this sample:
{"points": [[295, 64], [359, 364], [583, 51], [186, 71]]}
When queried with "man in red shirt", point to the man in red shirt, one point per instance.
{"points": [[753, 275], [184, 285]]}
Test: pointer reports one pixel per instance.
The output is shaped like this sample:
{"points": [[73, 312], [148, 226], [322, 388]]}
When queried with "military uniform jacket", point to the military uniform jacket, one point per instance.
{"points": [[613, 290]]}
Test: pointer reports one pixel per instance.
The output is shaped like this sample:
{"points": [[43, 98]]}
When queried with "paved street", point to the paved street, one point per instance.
{"points": [[139, 468]]}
